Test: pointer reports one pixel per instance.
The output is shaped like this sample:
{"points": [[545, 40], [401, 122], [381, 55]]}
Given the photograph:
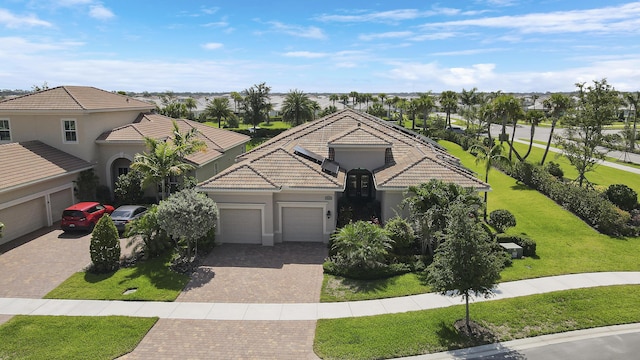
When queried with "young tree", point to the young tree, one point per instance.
{"points": [[597, 106], [465, 263], [297, 108], [188, 215], [632, 99], [128, 188], [105, 246]]}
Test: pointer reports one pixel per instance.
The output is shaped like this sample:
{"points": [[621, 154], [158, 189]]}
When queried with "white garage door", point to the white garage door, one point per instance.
{"points": [[59, 201], [23, 218], [241, 226], [302, 224]]}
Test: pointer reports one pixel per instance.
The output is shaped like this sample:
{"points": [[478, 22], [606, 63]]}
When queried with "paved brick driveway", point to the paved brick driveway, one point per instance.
{"points": [[284, 273]]}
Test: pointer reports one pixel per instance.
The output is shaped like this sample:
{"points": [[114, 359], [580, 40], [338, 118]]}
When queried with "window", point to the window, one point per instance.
{"points": [[123, 171], [5, 130], [69, 131]]}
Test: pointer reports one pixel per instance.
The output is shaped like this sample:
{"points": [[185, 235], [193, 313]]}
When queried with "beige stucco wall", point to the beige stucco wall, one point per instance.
{"points": [[390, 202], [48, 129], [360, 158]]}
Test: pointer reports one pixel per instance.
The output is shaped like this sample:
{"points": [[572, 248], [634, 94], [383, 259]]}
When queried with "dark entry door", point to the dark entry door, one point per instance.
{"points": [[359, 184]]}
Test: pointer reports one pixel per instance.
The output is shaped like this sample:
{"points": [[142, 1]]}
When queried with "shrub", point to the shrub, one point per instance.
{"points": [[147, 235], [105, 246], [555, 170], [528, 245], [85, 185], [103, 194], [361, 246], [128, 189], [402, 235], [330, 267], [501, 220], [622, 196]]}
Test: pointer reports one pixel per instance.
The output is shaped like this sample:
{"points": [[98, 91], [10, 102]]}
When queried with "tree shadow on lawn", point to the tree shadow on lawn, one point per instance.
{"points": [[451, 338], [367, 286], [158, 273]]}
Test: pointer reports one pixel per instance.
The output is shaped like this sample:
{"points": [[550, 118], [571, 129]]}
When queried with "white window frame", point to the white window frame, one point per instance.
{"points": [[7, 129], [64, 131]]}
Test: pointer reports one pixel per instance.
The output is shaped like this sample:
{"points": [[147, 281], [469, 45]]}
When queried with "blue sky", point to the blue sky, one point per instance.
{"points": [[320, 46]]}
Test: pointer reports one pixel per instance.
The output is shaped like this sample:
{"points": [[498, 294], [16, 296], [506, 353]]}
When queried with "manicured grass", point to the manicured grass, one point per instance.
{"points": [[601, 176], [607, 158], [336, 288], [153, 279], [65, 337], [565, 244], [421, 332]]}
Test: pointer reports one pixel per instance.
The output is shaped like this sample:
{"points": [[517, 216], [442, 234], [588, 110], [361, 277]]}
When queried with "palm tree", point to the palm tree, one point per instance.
{"points": [[190, 104], [187, 143], [508, 108], [296, 108], [161, 161], [383, 97], [426, 104], [256, 104], [354, 96], [333, 98], [218, 108], [556, 105], [469, 98], [489, 156], [633, 99], [449, 104], [237, 100], [344, 99], [533, 117], [390, 102]]}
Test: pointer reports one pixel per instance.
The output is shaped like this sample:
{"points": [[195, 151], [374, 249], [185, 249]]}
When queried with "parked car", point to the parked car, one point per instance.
{"points": [[126, 213], [456, 129], [83, 215]]}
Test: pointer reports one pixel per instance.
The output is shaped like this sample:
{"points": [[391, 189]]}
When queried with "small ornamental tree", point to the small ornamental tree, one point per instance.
{"points": [[105, 246], [501, 220], [188, 215], [128, 188], [465, 263]]}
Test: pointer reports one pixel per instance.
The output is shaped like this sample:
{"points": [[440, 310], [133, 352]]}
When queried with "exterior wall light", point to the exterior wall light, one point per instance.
{"points": [[328, 214]]}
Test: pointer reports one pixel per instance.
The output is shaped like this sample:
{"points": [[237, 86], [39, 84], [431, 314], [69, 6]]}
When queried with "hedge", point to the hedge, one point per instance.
{"points": [[527, 244]]}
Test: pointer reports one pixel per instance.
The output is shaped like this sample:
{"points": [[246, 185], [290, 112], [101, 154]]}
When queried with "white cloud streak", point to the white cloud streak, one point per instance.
{"points": [[212, 46], [310, 32], [100, 12], [13, 21]]}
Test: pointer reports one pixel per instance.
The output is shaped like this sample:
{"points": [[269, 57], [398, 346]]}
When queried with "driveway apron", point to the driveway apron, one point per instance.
{"points": [[284, 273]]}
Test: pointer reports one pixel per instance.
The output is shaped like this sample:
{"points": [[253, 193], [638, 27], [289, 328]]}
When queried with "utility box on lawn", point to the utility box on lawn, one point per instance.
{"points": [[514, 249]]}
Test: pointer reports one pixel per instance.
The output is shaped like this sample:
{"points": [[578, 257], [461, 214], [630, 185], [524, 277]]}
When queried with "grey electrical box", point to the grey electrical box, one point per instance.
{"points": [[514, 249]]}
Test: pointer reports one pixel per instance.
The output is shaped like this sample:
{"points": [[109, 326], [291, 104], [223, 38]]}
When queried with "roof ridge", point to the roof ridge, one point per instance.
{"points": [[296, 158], [73, 97]]}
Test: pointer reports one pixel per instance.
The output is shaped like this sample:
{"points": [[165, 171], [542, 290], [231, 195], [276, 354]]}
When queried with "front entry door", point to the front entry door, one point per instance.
{"points": [[359, 184]]}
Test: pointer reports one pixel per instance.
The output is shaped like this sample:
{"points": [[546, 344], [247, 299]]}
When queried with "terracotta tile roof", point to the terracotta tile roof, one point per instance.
{"points": [[160, 127], [414, 159], [33, 161], [359, 137], [74, 98], [241, 178]]}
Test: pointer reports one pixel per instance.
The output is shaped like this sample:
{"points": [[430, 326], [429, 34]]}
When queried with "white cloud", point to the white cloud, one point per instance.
{"points": [[311, 32], [14, 21], [100, 12], [21, 46], [212, 46], [603, 20], [467, 52], [305, 54], [385, 35]]}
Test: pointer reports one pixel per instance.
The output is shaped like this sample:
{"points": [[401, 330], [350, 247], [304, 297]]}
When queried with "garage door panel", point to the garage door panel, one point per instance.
{"points": [[241, 226], [302, 224], [59, 201], [23, 218]]}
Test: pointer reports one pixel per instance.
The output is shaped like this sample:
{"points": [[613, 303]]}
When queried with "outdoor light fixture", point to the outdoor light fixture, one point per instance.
{"points": [[328, 214]]}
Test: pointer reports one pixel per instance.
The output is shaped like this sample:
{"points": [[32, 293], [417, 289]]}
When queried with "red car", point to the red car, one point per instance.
{"points": [[84, 215]]}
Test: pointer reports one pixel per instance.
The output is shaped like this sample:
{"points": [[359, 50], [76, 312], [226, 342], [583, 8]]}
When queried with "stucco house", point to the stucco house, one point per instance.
{"points": [[293, 187], [48, 137]]}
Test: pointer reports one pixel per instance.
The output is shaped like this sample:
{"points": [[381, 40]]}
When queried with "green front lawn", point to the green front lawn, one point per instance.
{"points": [[153, 280], [336, 288], [429, 331], [70, 337]]}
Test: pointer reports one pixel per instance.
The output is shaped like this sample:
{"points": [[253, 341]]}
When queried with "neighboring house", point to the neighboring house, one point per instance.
{"points": [[293, 187], [48, 137]]}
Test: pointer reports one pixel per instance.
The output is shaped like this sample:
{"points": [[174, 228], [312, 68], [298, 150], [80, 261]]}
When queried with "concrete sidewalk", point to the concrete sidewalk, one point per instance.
{"points": [[302, 311]]}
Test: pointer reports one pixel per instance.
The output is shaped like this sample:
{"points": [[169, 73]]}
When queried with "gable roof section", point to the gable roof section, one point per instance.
{"points": [[359, 137], [414, 158], [31, 162], [161, 127], [275, 170], [73, 98]]}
